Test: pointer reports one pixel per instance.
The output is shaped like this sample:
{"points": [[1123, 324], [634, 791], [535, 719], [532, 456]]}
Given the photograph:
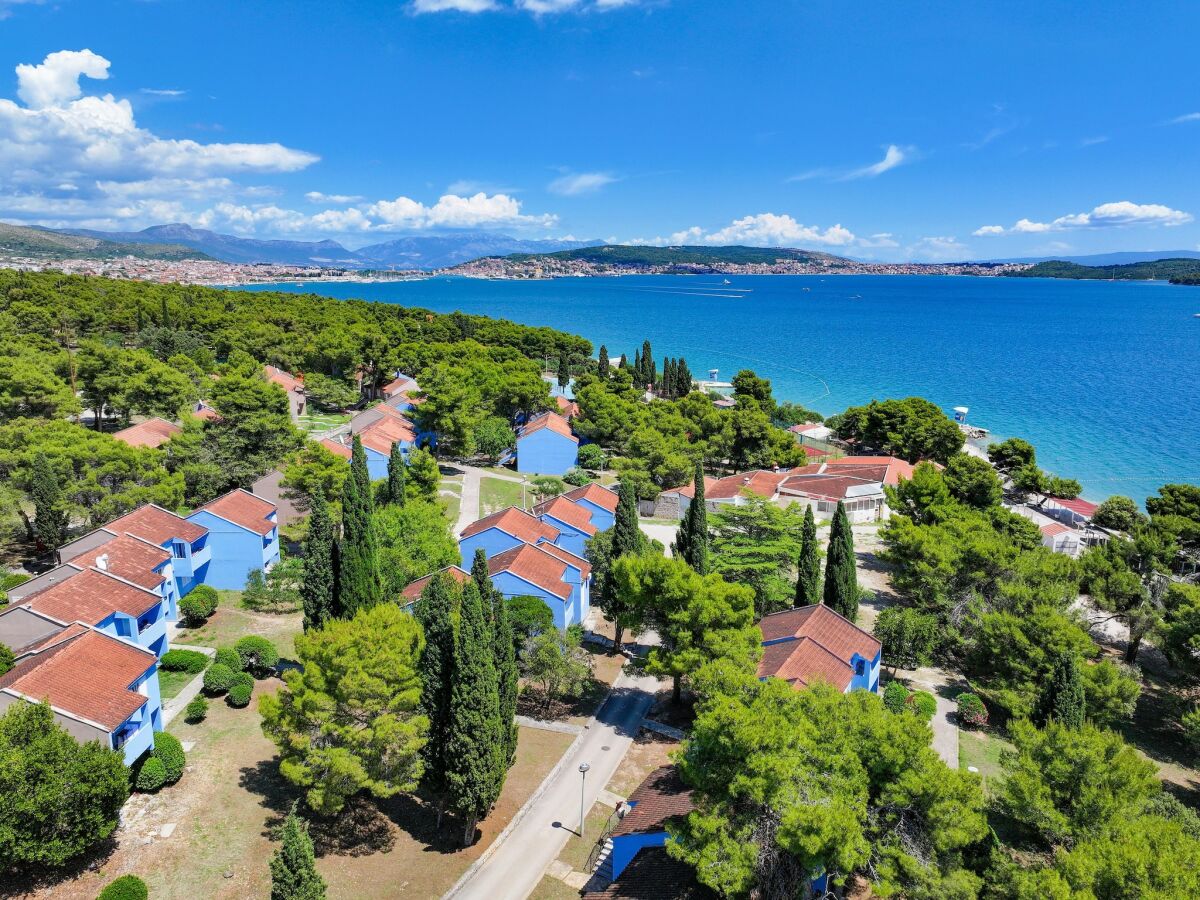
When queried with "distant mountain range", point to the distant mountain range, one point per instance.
{"points": [[622, 255], [431, 251], [39, 243], [1119, 258]]}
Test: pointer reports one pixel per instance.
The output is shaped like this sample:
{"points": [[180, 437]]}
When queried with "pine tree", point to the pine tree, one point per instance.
{"points": [[841, 576], [475, 747], [358, 578], [320, 577], [166, 313], [50, 516], [1062, 699], [435, 611], [564, 370], [395, 479], [691, 544], [808, 568], [602, 367], [294, 874], [683, 378]]}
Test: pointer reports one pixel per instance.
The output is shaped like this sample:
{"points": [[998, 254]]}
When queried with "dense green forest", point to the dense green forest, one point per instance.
{"points": [[1141, 271], [16, 240], [685, 256]]}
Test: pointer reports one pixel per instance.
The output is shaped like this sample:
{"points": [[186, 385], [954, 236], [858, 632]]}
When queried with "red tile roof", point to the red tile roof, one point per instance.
{"points": [[243, 508], [594, 493], [1079, 507], [533, 565], [128, 557], [386, 431], [812, 452], [567, 512], [833, 632], [337, 449], [660, 797], [584, 567], [285, 380], [414, 589], [515, 522], [1054, 529], [689, 490], [398, 386], [761, 482], [151, 433], [803, 662], [207, 413], [91, 597], [553, 421], [568, 408], [653, 874], [156, 525], [85, 674], [895, 468], [834, 480]]}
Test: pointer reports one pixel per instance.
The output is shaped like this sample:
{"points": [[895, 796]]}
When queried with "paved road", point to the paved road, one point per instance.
{"points": [[515, 865], [943, 685], [468, 510]]}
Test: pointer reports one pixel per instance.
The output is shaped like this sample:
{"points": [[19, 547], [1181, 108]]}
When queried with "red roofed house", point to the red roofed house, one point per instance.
{"points": [[600, 502], [401, 384], [856, 481], [98, 687], [337, 448], [1077, 513], [559, 578], [412, 592], [569, 409], [502, 531], [573, 521], [292, 386], [674, 503], [243, 534], [1061, 538], [546, 446], [815, 643], [186, 541], [151, 433]]}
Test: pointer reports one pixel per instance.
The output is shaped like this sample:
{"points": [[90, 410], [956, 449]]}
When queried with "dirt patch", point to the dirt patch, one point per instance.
{"points": [[648, 752]]}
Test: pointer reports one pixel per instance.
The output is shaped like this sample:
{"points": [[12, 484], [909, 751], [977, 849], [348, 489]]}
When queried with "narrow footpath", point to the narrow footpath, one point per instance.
{"points": [[512, 867]]}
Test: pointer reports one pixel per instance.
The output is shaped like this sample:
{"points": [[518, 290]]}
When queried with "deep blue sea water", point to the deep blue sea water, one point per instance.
{"points": [[1102, 377]]}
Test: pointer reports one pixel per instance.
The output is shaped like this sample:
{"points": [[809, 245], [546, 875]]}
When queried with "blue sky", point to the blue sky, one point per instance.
{"points": [[878, 130]]}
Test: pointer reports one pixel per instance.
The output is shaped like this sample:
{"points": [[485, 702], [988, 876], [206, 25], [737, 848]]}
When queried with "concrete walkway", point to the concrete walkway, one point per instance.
{"points": [[943, 686], [512, 867], [176, 704], [468, 510]]}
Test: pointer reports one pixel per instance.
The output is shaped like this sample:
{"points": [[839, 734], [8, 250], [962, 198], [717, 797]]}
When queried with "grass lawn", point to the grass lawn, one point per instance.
{"points": [[231, 622], [451, 504], [322, 421], [171, 683], [553, 889], [982, 750], [232, 797], [496, 494]]}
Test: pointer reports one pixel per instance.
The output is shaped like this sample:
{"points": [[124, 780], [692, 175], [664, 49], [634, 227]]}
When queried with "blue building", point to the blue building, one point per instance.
{"points": [[502, 531], [243, 535], [546, 446], [572, 521], [600, 502], [379, 428], [99, 688], [560, 579], [814, 642]]}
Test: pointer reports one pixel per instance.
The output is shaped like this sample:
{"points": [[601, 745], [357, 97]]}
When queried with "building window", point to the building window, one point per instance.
{"points": [[178, 549], [860, 667]]}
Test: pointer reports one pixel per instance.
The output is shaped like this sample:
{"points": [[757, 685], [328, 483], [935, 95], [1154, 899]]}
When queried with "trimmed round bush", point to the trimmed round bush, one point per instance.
{"points": [[127, 887], [227, 656], [168, 749], [577, 477], [243, 678], [239, 695], [206, 595], [151, 776], [971, 711], [218, 679], [258, 654], [895, 696], [194, 610], [196, 710], [923, 703], [177, 660]]}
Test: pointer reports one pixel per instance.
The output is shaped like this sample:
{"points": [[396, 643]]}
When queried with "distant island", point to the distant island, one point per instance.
{"points": [[1175, 270]]}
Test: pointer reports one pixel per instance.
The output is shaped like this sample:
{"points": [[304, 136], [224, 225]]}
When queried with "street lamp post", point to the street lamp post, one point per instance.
{"points": [[524, 504], [583, 770]]}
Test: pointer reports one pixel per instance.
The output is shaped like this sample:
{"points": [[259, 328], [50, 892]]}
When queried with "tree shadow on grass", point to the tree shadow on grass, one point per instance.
{"points": [[38, 878]]}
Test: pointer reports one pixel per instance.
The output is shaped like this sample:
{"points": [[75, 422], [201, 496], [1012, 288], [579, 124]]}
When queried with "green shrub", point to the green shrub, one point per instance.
{"points": [[1191, 726], [577, 477], [227, 656], [196, 710], [197, 606], [168, 749], [192, 661], [971, 711], [206, 595], [895, 695], [239, 695], [923, 703], [258, 654], [218, 679], [242, 678], [591, 456], [151, 776], [127, 887]]}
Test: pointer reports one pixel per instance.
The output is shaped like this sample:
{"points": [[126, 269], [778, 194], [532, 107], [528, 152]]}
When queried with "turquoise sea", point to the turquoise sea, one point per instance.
{"points": [[1102, 377]]}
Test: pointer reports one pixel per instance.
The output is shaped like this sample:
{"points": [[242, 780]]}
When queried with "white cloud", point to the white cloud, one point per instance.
{"points": [[318, 197], [892, 157], [580, 183], [540, 7], [467, 6], [56, 79], [1092, 141], [453, 211], [163, 92], [1186, 117], [1106, 215], [762, 230], [937, 249]]}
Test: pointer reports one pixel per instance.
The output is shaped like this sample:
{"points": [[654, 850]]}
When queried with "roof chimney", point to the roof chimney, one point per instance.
{"points": [[102, 562]]}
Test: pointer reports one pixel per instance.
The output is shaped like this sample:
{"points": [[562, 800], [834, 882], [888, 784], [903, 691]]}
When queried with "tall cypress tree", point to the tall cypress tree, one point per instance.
{"points": [[683, 378], [435, 611], [1062, 697], [320, 577], [294, 874], [626, 538], [602, 366], [637, 371], [841, 576], [50, 516], [691, 543], [358, 578], [475, 747], [665, 381], [564, 369], [395, 476], [808, 568], [504, 653]]}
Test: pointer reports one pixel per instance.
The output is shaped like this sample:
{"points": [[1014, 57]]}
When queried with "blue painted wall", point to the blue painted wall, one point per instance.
{"points": [[492, 540], [546, 452], [187, 568], [145, 721], [570, 538], [235, 551], [511, 586], [626, 847], [601, 517]]}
